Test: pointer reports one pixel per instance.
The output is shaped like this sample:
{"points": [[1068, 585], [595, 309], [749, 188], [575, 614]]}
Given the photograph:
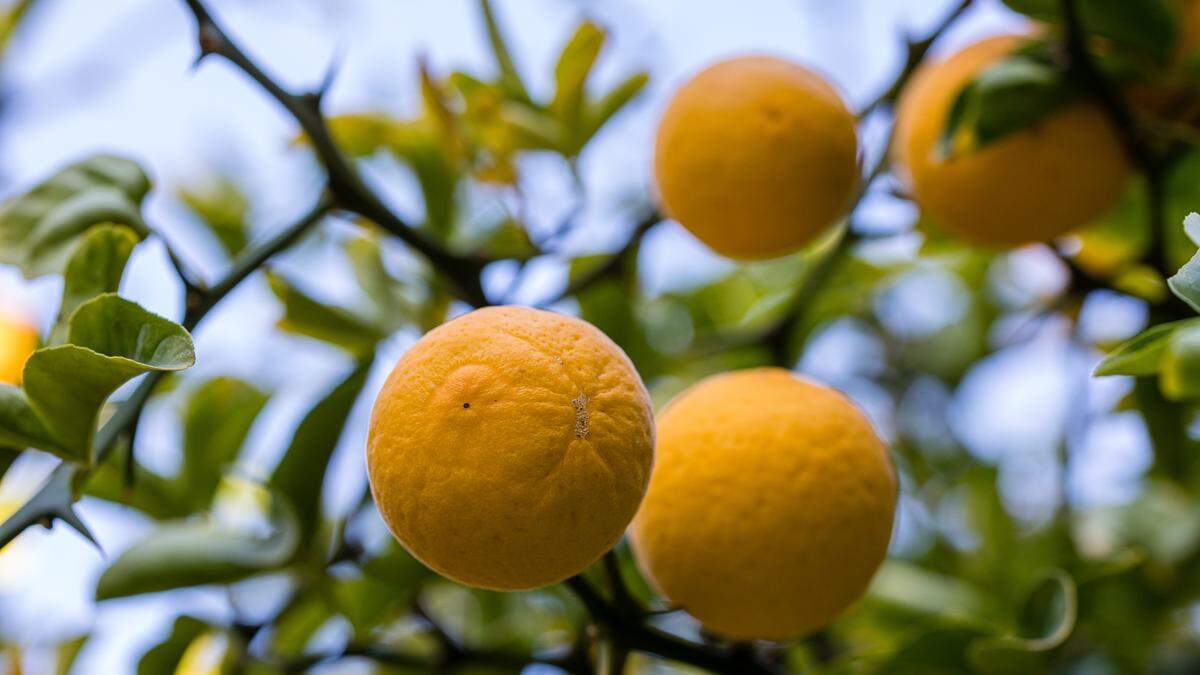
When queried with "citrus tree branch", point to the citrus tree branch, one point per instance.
{"points": [[350, 192], [914, 56], [628, 632]]}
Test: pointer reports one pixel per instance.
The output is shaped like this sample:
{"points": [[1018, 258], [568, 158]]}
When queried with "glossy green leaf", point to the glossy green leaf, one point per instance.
{"points": [[301, 473], [165, 656], [20, 425], [223, 209], [110, 341], [1146, 26], [196, 553], [39, 229], [1009, 96], [1180, 367], [1186, 283], [217, 418], [306, 316], [95, 267], [570, 75], [510, 78], [600, 111], [1143, 353], [394, 303]]}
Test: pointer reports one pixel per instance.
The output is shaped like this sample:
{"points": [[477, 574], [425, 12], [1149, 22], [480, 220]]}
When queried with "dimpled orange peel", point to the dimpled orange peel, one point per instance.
{"points": [[756, 156], [510, 447], [770, 507]]}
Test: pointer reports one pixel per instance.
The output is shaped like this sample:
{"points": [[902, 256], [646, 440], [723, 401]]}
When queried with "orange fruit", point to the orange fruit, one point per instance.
{"points": [[18, 340], [756, 156], [510, 447], [770, 507], [1031, 185]]}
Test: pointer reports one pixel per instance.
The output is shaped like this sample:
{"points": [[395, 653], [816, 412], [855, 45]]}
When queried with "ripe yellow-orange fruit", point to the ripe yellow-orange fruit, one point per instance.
{"points": [[18, 340], [756, 156], [1031, 185], [510, 447], [770, 507]]}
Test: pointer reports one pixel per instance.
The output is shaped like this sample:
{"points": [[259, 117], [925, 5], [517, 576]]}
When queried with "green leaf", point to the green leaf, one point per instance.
{"points": [[217, 418], [11, 17], [20, 425], [68, 653], [1146, 26], [394, 303], [921, 592], [1046, 620], [1143, 353], [165, 656], [510, 78], [571, 74], [301, 473], [305, 316], [95, 267], [111, 341], [1186, 283], [598, 113], [941, 651], [223, 209], [195, 553], [504, 239], [39, 228], [1009, 96], [1180, 366]]}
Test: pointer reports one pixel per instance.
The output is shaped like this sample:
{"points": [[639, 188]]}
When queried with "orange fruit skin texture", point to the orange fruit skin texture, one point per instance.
{"points": [[756, 156], [1029, 186], [18, 340], [770, 507], [510, 447]]}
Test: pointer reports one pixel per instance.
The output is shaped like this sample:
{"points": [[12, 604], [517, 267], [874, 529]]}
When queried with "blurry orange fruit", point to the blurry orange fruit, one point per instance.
{"points": [[770, 507], [510, 447], [1031, 185], [756, 156], [18, 340]]}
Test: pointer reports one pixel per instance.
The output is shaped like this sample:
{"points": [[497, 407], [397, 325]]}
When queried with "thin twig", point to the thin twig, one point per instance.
{"points": [[629, 632], [914, 56], [346, 185], [611, 265]]}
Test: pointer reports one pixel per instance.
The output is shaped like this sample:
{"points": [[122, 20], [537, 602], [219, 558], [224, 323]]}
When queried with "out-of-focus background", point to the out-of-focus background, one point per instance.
{"points": [[1008, 387]]}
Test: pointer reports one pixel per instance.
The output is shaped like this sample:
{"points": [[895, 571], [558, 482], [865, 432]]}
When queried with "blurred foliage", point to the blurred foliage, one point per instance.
{"points": [[979, 582]]}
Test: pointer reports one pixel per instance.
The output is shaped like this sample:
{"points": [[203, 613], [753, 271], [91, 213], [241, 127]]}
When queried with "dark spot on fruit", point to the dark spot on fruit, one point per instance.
{"points": [[466, 405]]}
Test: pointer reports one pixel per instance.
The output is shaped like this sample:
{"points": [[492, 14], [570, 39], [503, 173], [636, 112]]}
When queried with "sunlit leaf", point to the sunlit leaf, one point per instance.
{"points": [[223, 209], [510, 79], [1008, 96], [305, 316], [216, 420], [570, 75], [94, 268], [301, 473], [110, 341], [165, 656], [1180, 367], [38, 229], [195, 553], [600, 111], [1143, 353]]}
